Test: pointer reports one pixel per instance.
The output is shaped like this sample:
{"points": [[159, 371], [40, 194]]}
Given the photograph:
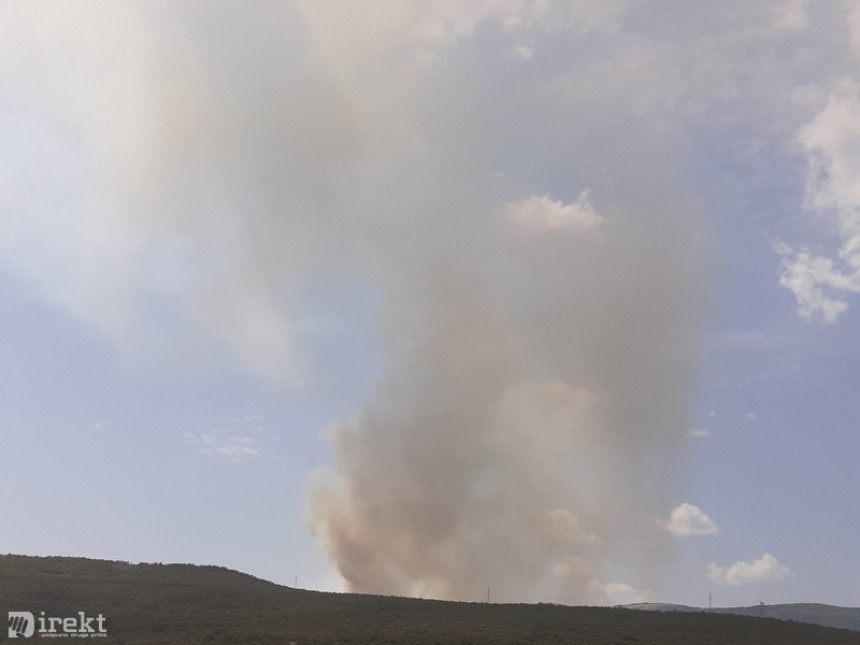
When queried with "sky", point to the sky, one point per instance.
{"points": [[555, 297]]}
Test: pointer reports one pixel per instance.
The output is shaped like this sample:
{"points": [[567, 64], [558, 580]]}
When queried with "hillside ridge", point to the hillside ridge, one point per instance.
{"points": [[803, 612], [182, 603]]}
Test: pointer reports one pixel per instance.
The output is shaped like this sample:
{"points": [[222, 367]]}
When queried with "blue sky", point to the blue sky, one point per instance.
{"points": [[420, 298]]}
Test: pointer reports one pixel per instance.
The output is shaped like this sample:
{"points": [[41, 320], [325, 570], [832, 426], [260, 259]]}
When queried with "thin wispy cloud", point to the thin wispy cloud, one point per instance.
{"points": [[756, 339], [792, 16], [220, 443]]}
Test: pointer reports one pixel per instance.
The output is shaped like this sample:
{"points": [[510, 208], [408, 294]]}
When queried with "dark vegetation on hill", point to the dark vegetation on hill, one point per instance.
{"points": [[842, 617], [154, 603]]}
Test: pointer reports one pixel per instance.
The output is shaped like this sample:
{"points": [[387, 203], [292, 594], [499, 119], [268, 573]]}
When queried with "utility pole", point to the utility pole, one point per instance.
{"points": [[710, 606], [296, 585], [488, 594]]}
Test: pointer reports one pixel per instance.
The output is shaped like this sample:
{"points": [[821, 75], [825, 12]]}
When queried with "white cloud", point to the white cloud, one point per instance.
{"points": [[220, 443], [852, 16], [820, 282], [580, 574], [748, 339], [561, 525], [619, 593], [832, 140], [539, 214], [764, 569], [423, 30], [394, 24], [524, 52], [702, 433], [792, 16], [687, 520], [583, 15], [807, 276]]}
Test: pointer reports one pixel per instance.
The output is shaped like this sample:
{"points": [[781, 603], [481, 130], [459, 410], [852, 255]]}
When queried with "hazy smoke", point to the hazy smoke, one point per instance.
{"points": [[523, 435], [537, 359]]}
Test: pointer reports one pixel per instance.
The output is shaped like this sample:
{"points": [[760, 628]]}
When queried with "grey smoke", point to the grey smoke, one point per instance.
{"points": [[523, 436], [536, 376]]}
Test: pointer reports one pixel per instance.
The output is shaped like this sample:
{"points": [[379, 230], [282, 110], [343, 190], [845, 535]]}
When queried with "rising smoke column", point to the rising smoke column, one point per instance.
{"points": [[535, 344], [537, 351], [523, 435]]}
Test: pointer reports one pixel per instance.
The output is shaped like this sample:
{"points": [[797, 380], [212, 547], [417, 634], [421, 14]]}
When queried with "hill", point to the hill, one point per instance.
{"points": [[818, 614], [155, 603]]}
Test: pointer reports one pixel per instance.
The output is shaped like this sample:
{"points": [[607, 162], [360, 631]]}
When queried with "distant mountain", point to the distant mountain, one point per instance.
{"points": [[817, 614], [186, 604]]}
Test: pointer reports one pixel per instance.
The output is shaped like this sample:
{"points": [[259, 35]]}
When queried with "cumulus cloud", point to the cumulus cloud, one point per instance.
{"points": [[619, 593], [420, 34], [687, 519], [819, 287], [563, 526], [792, 15], [540, 214], [852, 15], [832, 140], [764, 569], [821, 282], [576, 576], [524, 52]]}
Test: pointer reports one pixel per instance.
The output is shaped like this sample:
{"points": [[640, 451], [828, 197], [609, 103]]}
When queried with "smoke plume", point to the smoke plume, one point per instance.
{"points": [[536, 332], [522, 437]]}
